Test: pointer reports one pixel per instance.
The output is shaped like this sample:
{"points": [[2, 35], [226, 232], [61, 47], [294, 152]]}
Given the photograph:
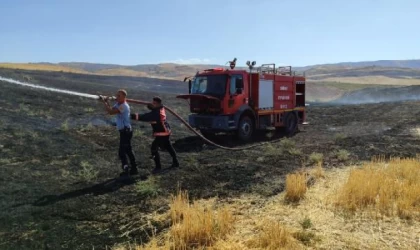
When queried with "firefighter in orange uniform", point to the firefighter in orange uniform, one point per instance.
{"points": [[161, 132]]}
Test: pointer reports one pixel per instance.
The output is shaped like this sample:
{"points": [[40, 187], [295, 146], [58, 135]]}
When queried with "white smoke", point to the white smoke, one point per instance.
{"points": [[380, 95]]}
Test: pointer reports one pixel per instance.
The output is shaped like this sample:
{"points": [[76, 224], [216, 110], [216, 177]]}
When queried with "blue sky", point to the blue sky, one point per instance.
{"points": [[286, 32]]}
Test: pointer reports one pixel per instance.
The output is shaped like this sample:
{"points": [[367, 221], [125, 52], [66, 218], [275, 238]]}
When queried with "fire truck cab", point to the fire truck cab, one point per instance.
{"points": [[241, 101]]}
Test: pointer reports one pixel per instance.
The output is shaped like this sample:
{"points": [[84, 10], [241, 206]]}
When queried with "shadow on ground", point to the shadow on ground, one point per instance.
{"points": [[105, 187], [197, 144]]}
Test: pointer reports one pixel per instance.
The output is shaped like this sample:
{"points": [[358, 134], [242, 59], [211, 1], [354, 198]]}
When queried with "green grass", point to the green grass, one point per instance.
{"points": [[342, 155], [88, 173], [89, 110], [147, 189], [65, 125], [316, 158], [306, 223]]}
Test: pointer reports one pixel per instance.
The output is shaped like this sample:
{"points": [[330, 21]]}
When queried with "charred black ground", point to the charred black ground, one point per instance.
{"points": [[58, 157]]}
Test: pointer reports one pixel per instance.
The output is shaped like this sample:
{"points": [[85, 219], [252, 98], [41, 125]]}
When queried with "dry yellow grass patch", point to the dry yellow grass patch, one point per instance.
{"points": [[273, 236], [318, 171], [194, 226], [338, 231], [295, 186], [388, 188]]}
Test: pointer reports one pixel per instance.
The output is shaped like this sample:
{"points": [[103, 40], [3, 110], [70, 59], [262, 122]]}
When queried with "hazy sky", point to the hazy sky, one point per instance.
{"points": [[298, 33]]}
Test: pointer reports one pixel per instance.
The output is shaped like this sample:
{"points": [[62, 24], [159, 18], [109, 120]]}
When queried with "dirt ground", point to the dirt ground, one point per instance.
{"points": [[58, 157]]}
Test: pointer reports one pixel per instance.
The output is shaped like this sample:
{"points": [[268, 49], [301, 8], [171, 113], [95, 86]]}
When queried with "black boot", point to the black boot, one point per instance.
{"points": [[175, 164], [158, 167], [134, 170], [125, 171]]}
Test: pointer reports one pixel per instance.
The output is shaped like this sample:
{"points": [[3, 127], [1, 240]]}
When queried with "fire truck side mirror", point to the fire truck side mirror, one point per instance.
{"points": [[189, 86]]}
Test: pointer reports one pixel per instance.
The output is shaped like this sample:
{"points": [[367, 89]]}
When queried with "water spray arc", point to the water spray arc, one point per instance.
{"points": [[48, 88]]}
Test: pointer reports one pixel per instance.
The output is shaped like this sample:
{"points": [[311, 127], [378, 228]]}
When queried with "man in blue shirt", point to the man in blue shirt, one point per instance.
{"points": [[122, 111]]}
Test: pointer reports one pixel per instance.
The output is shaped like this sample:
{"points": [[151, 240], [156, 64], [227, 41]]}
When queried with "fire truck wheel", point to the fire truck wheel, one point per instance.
{"points": [[291, 123], [245, 128]]}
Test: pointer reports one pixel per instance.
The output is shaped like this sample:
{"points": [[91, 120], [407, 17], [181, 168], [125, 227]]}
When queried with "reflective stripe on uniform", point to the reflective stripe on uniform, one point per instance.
{"points": [[163, 120], [161, 133]]}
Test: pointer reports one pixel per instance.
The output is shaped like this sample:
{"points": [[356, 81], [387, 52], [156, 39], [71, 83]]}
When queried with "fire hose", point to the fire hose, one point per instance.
{"points": [[195, 131]]}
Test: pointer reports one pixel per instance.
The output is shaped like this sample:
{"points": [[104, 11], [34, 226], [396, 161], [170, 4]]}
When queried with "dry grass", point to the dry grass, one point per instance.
{"points": [[197, 225], [273, 236], [59, 68], [318, 172], [295, 187], [194, 226], [388, 188], [272, 224], [121, 72], [41, 67]]}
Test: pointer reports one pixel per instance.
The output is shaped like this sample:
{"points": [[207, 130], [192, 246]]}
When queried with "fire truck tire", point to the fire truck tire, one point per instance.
{"points": [[291, 123], [245, 128]]}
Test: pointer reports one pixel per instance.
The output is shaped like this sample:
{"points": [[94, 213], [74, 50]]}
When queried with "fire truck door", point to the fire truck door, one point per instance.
{"points": [[236, 91]]}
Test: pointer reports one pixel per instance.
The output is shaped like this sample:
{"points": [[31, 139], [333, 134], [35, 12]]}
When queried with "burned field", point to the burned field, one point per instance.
{"points": [[58, 157]]}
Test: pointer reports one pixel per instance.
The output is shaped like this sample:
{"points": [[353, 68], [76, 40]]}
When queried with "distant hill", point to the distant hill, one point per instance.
{"points": [[90, 67], [413, 64], [164, 70], [384, 72]]}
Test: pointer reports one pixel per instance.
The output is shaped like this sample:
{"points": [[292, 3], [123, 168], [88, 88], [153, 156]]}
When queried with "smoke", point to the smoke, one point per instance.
{"points": [[380, 95], [48, 89]]}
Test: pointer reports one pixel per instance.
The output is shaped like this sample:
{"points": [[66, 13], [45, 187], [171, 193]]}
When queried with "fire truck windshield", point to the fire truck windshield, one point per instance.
{"points": [[214, 85]]}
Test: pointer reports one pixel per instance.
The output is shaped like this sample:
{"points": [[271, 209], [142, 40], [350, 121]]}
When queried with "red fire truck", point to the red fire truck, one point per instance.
{"points": [[241, 101]]}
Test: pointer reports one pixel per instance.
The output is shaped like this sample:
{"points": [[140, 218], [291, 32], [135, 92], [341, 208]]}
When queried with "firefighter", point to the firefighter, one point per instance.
{"points": [[121, 110], [161, 132]]}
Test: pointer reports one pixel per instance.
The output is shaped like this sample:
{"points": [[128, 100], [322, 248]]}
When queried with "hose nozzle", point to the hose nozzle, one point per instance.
{"points": [[105, 98]]}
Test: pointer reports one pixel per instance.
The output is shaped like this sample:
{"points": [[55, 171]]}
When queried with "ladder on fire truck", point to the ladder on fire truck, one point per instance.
{"points": [[270, 68]]}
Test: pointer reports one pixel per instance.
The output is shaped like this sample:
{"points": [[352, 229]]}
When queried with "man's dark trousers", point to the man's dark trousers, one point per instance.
{"points": [[125, 147], [163, 142]]}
